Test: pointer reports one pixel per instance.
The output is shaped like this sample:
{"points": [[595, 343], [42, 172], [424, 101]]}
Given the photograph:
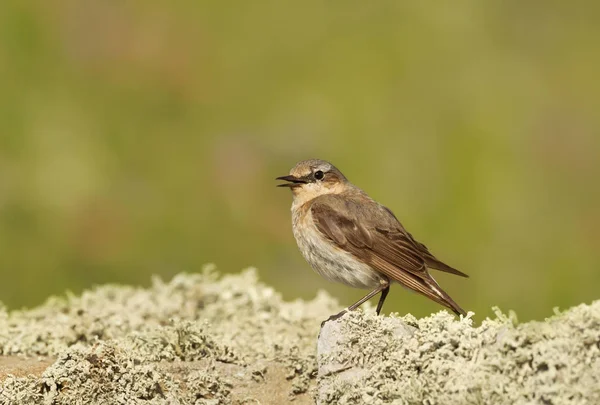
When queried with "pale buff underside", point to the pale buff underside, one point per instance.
{"points": [[310, 191], [328, 260]]}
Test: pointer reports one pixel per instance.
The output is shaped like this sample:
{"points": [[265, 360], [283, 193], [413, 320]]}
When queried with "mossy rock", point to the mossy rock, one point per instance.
{"points": [[207, 339]]}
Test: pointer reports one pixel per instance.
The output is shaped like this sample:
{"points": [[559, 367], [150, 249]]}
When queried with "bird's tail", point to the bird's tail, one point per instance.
{"points": [[443, 298]]}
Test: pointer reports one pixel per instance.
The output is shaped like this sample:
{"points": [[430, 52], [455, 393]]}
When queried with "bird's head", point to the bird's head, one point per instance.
{"points": [[313, 178]]}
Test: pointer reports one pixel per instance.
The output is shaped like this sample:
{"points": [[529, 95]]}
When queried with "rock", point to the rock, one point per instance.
{"points": [[197, 339], [210, 339], [366, 359], [333, 368]]}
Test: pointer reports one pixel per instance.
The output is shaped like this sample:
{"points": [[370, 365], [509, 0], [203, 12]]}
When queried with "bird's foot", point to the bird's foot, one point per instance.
{"points": [[333, 317]]}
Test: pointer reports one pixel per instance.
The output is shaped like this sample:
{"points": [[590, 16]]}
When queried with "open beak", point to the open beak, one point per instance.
{"points": [[292, 181]]}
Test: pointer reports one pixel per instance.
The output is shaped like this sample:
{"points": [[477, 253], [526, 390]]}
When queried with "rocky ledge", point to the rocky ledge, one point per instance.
{"points": [[210, 339]]}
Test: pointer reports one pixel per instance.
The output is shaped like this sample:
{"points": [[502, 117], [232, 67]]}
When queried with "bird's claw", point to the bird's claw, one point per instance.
{"points": [[333, 317]]}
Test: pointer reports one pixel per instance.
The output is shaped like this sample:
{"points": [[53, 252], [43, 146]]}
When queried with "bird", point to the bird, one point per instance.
{"points": [[348, 237]]}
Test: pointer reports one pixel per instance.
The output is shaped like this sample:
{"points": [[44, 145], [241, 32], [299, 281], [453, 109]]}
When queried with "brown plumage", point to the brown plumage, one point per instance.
{"points": [[348, 237], [375, 237]]}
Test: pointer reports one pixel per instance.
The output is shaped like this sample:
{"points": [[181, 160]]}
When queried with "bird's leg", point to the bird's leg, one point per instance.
{"points": [[384, 294], [384, 288]]}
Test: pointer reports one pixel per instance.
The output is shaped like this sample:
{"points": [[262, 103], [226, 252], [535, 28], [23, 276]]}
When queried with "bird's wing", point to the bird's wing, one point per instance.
{"points": [[370, 234], [367, 235], [430, 260]]}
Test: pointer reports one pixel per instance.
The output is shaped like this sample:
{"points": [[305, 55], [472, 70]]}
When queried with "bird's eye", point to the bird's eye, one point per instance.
{"points": [[319, 175]]}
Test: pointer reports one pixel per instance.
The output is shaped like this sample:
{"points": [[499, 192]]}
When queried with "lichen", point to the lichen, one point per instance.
{"points": [[209, 339], [449, 361], [191, 340]]}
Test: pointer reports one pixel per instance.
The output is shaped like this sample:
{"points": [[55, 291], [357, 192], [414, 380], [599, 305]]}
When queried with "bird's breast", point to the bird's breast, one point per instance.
{"points": [[326, 258]]}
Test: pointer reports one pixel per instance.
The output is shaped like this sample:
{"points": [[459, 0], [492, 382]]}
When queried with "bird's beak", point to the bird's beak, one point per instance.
{"points": [[292, 181]]}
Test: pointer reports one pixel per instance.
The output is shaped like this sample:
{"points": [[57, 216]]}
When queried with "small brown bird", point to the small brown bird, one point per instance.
{"points": [[348, 237]]}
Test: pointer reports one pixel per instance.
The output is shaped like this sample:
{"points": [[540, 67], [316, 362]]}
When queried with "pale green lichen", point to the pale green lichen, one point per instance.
{"points": [[448, 361], [170, 342], [205, 339]]}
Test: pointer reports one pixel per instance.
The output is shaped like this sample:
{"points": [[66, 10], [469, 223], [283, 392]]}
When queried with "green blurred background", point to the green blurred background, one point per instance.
{"points": [[140, 139]]}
